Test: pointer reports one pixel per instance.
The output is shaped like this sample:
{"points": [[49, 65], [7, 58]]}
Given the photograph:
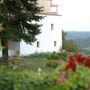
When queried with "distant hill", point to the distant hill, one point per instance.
{"points": [[77, 35], [82, 40]]}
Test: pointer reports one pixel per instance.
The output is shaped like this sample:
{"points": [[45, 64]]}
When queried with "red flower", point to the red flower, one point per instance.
{"points": [[71, 63], [80, 59], [87, 62]]}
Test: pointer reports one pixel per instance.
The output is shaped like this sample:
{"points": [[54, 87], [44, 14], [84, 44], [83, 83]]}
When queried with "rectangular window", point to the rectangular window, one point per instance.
{"points": [[54, 9], [52, 27], [38, 44], [55, 43], [1, 1]]}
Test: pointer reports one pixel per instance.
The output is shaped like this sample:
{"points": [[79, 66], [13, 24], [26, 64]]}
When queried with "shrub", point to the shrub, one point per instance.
{"points": [[63, 55], [68, 45], [54, 56], [59, 55], [52, 64], [77, 59], [38, 55], [13, 81], [78, 80]]}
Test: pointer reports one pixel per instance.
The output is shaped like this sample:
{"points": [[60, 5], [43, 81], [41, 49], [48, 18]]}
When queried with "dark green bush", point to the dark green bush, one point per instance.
{"points": [[58, 55], [38, 55], [54, 56], [63, 55], [52, 64]]}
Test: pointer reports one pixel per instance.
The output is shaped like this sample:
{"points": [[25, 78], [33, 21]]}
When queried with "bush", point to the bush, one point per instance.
{"points": [[77, 59], [59, 55], [78, 80], [63, 55], [38, 55], [68, 45], [13, 81], [52, 64], [54, 56]]}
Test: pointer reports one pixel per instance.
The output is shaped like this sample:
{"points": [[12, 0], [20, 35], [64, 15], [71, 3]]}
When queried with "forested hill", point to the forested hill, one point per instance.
{"points": [[77, 35], [82, 39]]}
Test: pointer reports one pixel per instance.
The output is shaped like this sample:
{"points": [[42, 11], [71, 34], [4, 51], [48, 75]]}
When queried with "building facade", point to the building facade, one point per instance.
{"points": [[50, 38]]}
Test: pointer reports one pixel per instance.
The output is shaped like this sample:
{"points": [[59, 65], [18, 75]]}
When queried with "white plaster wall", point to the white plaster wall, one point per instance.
{"points": [[46, 38], [13, 48]]}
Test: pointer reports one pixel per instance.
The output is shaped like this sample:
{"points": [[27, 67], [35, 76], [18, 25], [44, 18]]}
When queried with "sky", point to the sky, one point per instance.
{"points": [[76, 15]]}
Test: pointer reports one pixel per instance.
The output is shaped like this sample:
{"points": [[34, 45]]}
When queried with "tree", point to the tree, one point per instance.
{"points": [[0, 32], [63, 38], [68, 45], [16, 17]]}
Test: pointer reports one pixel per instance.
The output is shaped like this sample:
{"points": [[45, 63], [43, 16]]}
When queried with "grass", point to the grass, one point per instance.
{"points": [[30, 64]]}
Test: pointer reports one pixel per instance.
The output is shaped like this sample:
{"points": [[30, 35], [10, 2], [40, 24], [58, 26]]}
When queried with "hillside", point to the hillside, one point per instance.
{"points": [[82, 40]]}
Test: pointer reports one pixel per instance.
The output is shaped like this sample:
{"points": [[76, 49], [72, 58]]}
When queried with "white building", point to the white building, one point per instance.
{"points": [[50, 38]]}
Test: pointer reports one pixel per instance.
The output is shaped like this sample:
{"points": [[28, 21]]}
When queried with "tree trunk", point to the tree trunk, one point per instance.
{"points": [[4, 43]]}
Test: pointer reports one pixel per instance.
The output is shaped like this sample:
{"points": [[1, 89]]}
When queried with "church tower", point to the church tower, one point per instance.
{"points": [[50, 38]]}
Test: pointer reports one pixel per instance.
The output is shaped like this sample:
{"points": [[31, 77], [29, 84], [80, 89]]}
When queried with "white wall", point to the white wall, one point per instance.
{"points": [[46, 38], [13, 48]]}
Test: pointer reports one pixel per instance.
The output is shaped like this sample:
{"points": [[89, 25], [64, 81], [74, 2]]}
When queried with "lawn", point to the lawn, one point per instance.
{"points": [[31, 64]]}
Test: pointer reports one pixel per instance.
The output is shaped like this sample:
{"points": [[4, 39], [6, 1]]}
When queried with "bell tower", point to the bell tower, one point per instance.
{"points": [[49, 6], [50, 38]]}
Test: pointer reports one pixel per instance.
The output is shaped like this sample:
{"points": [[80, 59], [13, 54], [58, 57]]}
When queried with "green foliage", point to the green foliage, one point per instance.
{"points": [[59, 55], [54, 56], [68, 45], [13, 81], [1, 28], [0, 32], [82, 39], [38, 55], [63, 55], [0, 45], [52, 63], [78, 80], [16, 17]]}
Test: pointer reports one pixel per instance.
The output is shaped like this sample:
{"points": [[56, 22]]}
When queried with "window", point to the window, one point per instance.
{"points": [[52, 26], [38, 44], [1, 1], [54, 9], [55, 43]]}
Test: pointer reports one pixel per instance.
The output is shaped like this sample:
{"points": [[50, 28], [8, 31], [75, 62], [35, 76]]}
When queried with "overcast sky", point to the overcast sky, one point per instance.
{"points": [[76, 15]]}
